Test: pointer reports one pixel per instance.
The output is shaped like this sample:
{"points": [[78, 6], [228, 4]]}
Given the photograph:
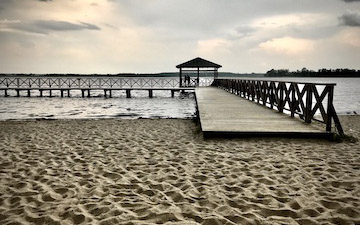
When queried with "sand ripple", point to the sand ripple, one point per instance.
{"points": [[164, 172]]}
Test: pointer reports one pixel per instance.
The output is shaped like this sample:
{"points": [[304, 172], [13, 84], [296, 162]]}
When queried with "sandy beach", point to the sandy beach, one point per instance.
{"points": [[164, 172]]}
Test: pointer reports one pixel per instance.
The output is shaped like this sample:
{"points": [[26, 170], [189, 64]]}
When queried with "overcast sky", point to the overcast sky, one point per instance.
{"points": [[119, 36]]}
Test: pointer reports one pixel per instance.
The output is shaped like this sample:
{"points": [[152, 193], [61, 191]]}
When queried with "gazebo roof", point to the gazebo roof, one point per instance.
{"points": [[198, 63]]}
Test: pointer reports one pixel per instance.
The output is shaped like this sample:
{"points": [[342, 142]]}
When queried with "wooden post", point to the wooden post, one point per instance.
{"points": [[88, 91], [293, 100], [271, 95], [110, 94], [62, 93], [68, 92], [258, 91], [308, 103], [150, 93], [172, 93], [329, 105], [50, 93], [41, 92], [265, 92], [17, 93], [105, 93], [82, 93], [28, 93], [281, 102], [128, 93], [253, 91], [6, 93]]}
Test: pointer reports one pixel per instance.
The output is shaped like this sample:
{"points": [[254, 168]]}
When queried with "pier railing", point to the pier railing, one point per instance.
{"points": [[93, 82], [303, 99]]}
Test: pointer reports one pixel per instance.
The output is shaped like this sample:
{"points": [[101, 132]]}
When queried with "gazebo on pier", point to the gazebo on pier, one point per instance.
{"points": [[190, 71]]}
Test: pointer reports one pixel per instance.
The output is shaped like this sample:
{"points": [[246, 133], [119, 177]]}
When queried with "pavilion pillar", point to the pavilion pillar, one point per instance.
{"points": [[198, 77], [180, 77]]}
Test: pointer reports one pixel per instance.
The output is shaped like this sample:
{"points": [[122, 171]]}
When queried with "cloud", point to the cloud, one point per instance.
{"points": [[213, 47], [351, 0], [45, 0], [244, 31], [288, 46], [63, 25], [350, 37], [44, 26], [350, 18]]}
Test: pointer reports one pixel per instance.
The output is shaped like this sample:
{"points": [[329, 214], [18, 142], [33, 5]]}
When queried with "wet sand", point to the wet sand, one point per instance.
{"points": [[163, 172]]}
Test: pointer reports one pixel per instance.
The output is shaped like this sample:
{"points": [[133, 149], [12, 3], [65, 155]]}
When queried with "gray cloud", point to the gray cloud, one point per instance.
{"points": [[45, 26], [350, 19], [244, 31], [63, 25], [5, 4], [351, 0]]}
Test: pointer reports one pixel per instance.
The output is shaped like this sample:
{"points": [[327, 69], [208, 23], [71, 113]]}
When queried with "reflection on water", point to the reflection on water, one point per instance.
{"points": [[140, 105]]}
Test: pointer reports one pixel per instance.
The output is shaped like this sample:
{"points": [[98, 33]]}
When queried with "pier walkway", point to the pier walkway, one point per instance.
{"points": [[223, 113]]}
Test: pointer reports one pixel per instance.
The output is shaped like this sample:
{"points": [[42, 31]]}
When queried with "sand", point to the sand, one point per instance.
{"points": [[163, 172]]}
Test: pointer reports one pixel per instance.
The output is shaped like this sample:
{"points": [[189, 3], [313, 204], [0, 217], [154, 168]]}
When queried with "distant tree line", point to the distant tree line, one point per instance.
{"points": [[165, 74], [311, 73]]}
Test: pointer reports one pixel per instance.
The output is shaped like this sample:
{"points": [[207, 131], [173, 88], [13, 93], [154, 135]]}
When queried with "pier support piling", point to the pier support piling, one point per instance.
{"points": [[6, 93], [88, 91], [17, 93], [82, 93], [41, 93], [150, 93], [50, 92], [68, 92], [28, 93], [62, 93], [172, 93], [128, 94]]}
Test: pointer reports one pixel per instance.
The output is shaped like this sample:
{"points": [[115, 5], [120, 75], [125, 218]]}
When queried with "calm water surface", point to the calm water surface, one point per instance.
{"points": [[346, 101]]}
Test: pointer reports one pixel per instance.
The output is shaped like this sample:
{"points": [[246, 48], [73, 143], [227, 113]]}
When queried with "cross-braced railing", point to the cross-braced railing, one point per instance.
{"points": [[303, 99], [93, 82]]}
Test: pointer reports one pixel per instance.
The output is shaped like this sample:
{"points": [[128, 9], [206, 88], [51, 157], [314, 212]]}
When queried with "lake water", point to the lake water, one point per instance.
{"points": [[346, 101]]}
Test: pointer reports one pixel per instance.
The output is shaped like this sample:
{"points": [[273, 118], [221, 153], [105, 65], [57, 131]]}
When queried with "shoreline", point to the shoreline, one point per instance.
{"points": [[354, 113], [151, 171]]}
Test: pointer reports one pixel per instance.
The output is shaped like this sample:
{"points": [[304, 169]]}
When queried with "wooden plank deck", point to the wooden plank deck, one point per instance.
{"points": [[223, 113]]}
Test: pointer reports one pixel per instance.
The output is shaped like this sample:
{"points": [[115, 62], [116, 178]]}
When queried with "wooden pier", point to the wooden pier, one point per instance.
{"points": [[225, 114], [230, 106], [234, 106], [24, 85]]}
